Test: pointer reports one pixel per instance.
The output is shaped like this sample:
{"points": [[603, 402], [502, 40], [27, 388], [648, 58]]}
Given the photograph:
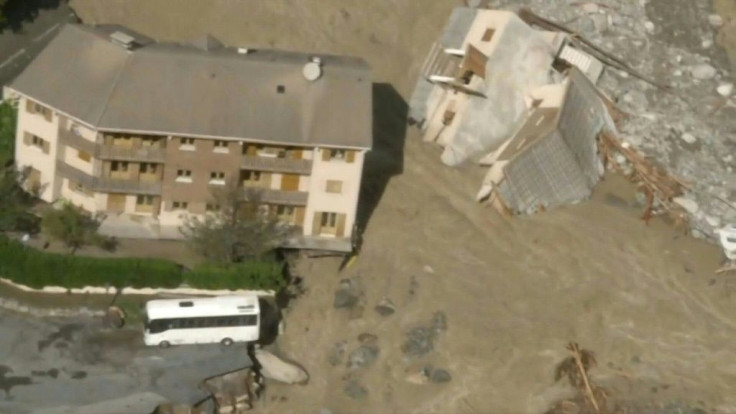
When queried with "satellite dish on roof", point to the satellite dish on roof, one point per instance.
{"points": [[313, 70]]}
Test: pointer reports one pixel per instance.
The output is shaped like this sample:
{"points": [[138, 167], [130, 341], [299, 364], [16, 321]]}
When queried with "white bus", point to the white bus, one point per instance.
{"points": [[224, 319]]}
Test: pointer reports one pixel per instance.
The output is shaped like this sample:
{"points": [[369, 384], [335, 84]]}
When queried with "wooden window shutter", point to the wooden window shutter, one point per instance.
{"points": [[300, 216], [317, 224], [27, 138], [46, 147], [326, 154], [340, 225], [30, 106], [475, 61], [350, 156], [47, 114]]}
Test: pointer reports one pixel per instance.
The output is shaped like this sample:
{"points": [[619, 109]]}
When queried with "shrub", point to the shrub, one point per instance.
{"points": [[254, 275], [36, 269]]}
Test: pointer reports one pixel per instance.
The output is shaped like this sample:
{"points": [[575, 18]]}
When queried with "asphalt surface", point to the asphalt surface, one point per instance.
{"points": [[18, 48], [54, 365]]}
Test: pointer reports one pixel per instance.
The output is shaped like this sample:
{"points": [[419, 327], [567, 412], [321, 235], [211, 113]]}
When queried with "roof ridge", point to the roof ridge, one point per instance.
{"points": [[112, 89]]}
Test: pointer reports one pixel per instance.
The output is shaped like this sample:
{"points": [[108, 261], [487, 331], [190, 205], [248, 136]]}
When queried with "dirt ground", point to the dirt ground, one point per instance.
{"points": [[515, 291]]}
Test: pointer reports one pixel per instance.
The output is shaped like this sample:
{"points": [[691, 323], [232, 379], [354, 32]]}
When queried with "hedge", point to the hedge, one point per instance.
{"points": [[28, 266]]}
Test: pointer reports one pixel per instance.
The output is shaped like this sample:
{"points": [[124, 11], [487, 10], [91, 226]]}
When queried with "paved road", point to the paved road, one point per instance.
{"points": [[18, 49], [49, 364]]}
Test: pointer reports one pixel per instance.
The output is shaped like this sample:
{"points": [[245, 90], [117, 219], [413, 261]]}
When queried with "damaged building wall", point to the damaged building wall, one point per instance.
{"points": [[546, 174], [560, 163], [520, 62]]}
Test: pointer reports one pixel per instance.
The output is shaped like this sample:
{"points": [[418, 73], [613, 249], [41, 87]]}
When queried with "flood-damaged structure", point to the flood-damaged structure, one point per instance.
{"points": [[521, 101]]}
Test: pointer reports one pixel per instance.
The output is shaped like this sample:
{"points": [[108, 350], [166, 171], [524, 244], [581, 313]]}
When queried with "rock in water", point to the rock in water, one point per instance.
{"points": [[703, 71], [355, 390], [385, 307], [364, 356], [439, 376], [274, 368], [345, 299]]}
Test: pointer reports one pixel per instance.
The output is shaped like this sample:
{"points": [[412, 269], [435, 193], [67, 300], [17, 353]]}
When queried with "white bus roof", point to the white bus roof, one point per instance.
{"points": [[196, 307]]}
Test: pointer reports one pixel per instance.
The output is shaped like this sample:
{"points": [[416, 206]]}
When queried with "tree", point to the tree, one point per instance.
{"points": [[241, 230], [74, 227], [8, 123]]}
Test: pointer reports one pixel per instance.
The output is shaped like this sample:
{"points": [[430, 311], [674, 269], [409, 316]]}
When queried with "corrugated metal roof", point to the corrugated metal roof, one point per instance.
{"points": [[183, 90]]}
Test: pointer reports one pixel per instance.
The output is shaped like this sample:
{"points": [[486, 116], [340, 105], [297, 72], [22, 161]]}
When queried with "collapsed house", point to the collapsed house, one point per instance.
{"points": [[522, 101]]}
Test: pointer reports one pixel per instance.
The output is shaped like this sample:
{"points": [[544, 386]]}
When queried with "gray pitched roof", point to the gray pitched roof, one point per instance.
{"points": [[184, 90]]}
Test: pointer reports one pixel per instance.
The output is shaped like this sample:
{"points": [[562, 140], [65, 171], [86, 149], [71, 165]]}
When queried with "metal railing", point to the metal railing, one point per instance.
{"points": [[70, 138], [153, 154], [292, 198], [107, 185], [259, 163]]}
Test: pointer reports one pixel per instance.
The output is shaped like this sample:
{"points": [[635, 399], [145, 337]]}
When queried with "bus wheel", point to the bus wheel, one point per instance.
{"points": [[164, 344], [226, 342]]}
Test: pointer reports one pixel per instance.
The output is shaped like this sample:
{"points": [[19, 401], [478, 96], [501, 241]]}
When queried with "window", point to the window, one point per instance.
{"points": [[186, 144], [285, 211], [280, 89], [119, 166], [220, 146], [149, 141], [179, 205], [488, 35], [183, 176], [338, 155], [329, 220], [36, 108], [148, 168], [333, 186], [84, 156], [253, 176], [36, 142], [217, 177], [212, 207], [79, 188], [144, 200]]}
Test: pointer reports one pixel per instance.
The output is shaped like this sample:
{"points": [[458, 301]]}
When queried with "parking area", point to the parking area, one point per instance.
{"points": [[54, 364]]}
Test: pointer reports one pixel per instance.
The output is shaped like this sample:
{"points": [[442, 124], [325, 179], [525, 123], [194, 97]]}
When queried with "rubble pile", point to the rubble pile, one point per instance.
{"points": [[688, 127]]}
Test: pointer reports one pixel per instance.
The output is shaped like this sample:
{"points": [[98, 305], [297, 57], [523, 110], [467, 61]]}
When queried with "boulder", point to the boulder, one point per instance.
{"points": [[703, 71], [715, 20], [275, 368], [725, 89], [689, 205], [688, 138]]}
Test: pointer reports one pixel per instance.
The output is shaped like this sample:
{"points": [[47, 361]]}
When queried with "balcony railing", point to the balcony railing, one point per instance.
{"points": [[291, 198], [152, 154], [259, 163], [107, 185], [70, 138]]}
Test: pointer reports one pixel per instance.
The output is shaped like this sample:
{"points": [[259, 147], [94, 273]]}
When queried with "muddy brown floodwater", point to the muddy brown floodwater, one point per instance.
{"points": [[645, 299]]}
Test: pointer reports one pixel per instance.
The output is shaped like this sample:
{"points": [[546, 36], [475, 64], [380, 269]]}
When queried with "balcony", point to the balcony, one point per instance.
{"points": [[108, 185], [150, 154], [289, 198], [275, 164], [72, 139]]}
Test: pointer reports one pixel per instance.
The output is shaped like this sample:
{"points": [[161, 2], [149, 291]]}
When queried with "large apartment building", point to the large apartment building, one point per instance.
{"points": [[117, 123]]}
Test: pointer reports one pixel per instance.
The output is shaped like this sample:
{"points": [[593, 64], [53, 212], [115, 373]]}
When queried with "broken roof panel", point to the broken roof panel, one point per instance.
{"points": [[182, 90]]}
